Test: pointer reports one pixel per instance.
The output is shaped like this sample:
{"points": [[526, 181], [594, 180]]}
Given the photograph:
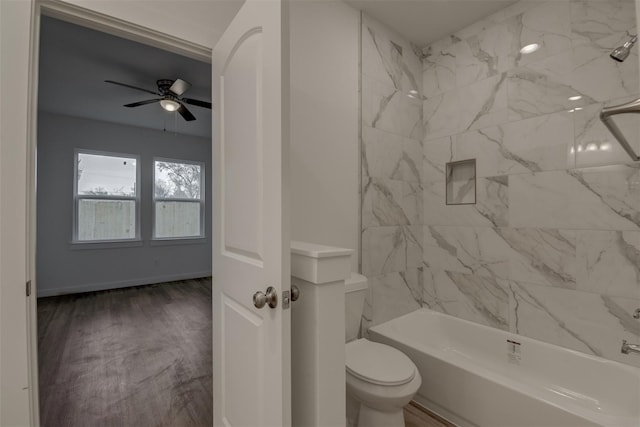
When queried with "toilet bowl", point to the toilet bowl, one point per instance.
{"points": [[381, 380]]}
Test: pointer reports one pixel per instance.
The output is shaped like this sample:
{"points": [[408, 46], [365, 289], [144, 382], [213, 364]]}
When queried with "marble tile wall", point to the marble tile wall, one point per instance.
{"points": [[392, 181], [551, 249]]}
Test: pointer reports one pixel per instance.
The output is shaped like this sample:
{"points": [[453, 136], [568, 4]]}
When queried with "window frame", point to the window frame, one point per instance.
{"points": [[77, 197], [201, 200]]}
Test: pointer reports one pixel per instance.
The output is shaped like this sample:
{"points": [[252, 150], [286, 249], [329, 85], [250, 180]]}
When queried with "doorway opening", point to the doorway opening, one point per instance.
{"points": [[123, 236]]}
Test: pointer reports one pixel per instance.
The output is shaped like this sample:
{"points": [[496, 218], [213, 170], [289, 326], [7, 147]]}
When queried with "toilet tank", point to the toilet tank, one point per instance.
{"points": [[355, 291]]}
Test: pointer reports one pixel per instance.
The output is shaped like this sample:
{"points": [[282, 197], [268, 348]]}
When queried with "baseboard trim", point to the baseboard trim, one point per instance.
{"points": [[440, 412], [120, 284]]}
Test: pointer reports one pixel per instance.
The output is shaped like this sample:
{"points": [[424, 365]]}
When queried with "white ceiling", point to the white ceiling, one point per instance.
{"points": [[425, 21], [75, 61]]}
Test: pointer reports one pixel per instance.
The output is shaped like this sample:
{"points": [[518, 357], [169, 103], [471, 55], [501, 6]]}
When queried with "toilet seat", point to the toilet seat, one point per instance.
{"points": [[378, 363]]}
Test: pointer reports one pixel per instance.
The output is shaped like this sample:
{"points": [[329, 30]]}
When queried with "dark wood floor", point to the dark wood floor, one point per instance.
{"points": [[135, 357], [128, 357]]}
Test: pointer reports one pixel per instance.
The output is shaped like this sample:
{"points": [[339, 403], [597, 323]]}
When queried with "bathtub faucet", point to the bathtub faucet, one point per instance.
{"points": [[629, 348]]}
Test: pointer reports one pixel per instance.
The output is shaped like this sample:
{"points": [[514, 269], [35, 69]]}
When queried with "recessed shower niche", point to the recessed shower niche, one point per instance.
{"points": [[461, 182]]}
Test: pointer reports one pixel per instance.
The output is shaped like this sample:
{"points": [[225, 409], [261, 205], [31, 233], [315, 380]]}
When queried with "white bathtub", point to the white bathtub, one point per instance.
{"points": [[471, 376]]}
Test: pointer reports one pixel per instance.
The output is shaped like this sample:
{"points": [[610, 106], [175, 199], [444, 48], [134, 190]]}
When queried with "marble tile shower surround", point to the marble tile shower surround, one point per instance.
{"points": [[392, 184], [551, 249]]}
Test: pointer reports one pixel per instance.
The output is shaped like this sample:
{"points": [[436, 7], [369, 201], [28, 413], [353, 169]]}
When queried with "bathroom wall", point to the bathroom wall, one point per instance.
{"points": [[551, 248], [324, 68], [392, 207]]}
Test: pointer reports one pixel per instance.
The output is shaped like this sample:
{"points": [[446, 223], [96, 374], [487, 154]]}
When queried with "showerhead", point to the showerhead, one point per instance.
{"points": [[621, 52]]}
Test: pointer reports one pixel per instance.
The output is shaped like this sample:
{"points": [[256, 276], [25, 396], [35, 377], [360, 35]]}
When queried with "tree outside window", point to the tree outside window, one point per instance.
{"points": [[178, 201]]}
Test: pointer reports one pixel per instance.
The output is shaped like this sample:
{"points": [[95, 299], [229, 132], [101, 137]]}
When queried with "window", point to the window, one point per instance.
{"points": [[178, 201], [106, 197]]}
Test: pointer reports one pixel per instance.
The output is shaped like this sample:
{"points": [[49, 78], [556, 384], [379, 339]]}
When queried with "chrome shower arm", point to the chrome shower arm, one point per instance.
{"points": [[608, 112]]}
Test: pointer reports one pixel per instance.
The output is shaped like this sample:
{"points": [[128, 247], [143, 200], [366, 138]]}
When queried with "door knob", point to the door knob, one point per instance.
{"points": [[271, 298], [295, 293]]}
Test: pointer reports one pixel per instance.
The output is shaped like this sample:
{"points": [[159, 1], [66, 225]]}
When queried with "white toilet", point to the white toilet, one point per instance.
{"points": [[381, 380]]}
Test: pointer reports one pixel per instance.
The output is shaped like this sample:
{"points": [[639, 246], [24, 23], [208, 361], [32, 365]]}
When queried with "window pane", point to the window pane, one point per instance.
{"points": [[177, 180], [177, 219], [106, 219], [106, 175]]}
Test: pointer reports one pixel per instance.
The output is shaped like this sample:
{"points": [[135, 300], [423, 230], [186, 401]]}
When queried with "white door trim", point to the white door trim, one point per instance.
{"points": [[107, 24]]}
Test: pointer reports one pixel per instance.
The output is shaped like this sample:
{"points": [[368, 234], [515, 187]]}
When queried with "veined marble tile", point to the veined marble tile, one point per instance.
{"points": [[390, 156], [382, 203], [492, 199], [548, 24], [595, 20], [483, 103], [490, 210], [483, 55], [609, 262], [539, 200], [381, 59], [395, 294], [440, 115], [439, 68], [487, 146], [605, 198], [436, 154], [542, 256], [389, 58], [391, 249], [532, 145], [597, 198], [388, 109], [543, 87], [475, 106], [585, 322], [437, 212], [480, 299], [595, 145], [599, 77], [472, 250], [388, 202], [544, 141]]}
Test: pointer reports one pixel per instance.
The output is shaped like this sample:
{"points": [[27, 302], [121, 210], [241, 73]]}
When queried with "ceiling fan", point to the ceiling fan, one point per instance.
{"points": [[170, 92]]}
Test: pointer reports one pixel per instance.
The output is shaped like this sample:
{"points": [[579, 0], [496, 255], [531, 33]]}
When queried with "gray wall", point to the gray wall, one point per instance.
{"points": [[66, 268]]}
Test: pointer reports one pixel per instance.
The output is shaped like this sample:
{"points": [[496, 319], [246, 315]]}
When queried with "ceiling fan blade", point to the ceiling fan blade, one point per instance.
{"points": [[179, 87], [203, 104], [186, 114], [137, 104], [129, 86]]}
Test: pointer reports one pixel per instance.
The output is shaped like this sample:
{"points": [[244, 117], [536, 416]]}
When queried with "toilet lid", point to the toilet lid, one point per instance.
{"points": [[378, 363]]}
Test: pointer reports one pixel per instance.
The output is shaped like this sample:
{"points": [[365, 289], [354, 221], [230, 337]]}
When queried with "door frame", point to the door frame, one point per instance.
{"points": [[107, 24]]}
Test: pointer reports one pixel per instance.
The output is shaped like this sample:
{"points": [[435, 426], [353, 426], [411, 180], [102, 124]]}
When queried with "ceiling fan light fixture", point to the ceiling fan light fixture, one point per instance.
{"points": [[169, 105]]}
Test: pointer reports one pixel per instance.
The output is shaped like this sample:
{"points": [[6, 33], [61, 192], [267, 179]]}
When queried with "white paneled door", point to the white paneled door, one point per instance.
{"points": [[251, 338]]}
